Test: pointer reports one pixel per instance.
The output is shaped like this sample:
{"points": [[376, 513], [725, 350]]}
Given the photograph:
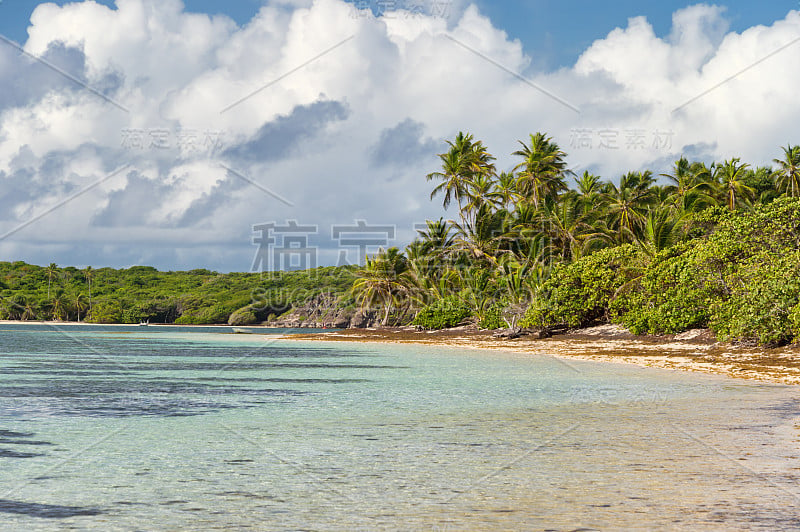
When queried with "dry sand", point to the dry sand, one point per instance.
{"points": [[694, 350]]}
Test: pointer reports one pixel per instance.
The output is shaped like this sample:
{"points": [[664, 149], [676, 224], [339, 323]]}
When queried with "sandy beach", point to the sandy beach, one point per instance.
{"points": [[694, 350]]}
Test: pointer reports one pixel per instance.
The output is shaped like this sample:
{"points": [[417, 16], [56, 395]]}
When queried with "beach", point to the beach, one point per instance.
{"points": [[694, 350]]}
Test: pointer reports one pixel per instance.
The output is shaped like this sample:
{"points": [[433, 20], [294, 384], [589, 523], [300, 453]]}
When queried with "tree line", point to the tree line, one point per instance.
{"points": [[142, 293], [700, 245], [516, 232]]}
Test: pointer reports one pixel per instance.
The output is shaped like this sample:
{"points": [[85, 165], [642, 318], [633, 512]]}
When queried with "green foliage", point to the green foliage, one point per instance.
{"points": [[668, 298], [444, 313], [536, 315], [492, 318], [107, 312], [741, 279], [794, 321], [717, 246], [580, 293], [381, 282], [760, 306], [243, 316], [143, 293], [215, 313]]}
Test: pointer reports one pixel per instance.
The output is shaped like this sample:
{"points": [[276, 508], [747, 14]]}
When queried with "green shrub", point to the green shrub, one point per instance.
{"points": [[794, 322], [211, 315], [741, 279], [763, 305], [243, 316], [106, 312], [536, 315], [580, 293], [671, 296], [142, 292], [492, 318], [444, 313]]}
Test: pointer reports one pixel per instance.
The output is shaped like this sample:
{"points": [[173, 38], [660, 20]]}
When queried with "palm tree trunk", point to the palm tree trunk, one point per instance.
{"points": [[386, 315]]}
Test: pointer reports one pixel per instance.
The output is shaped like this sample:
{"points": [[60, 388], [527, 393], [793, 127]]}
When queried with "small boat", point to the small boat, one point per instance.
{"points": [[239, 330]]}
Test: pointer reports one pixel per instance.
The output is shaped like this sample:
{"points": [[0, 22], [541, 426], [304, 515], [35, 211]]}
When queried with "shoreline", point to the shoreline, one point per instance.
{"points": [[61, 322], [694, 350], [689, 351]]}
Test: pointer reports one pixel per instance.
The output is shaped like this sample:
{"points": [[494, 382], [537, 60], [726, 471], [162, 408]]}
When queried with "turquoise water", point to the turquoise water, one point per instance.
{"points": [[126, 428]]}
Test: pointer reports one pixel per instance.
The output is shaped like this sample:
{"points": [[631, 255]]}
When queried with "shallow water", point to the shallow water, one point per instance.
{"points": [[114, 428]]}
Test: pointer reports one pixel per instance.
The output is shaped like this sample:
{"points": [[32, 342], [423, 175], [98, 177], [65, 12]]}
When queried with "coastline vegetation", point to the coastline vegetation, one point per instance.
{"points": [[539, 247], [142, 293], [714, 246]]}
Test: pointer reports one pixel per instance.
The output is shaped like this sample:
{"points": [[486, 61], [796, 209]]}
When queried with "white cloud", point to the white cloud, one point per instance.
{"points": [[311, 130]]}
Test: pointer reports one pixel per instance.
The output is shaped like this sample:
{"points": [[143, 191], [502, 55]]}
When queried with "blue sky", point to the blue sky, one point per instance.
{"points": [[561, 30], [150, 135], [553, 32]]}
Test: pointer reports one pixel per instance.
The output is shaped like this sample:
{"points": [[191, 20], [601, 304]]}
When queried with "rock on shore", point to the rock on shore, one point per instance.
{"points": [[325, 311]]}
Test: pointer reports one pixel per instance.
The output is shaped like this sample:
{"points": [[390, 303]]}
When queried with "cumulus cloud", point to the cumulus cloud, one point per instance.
{"points": [[401, 144], [290, 134], [340, 113]]}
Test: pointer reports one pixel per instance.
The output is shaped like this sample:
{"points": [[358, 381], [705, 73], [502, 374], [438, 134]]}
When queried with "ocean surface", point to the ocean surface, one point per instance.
{"points": [[170, 428]]}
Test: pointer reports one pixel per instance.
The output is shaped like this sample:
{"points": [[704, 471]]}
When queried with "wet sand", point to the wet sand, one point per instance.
{"points": [[689, 351], [695, 350]]}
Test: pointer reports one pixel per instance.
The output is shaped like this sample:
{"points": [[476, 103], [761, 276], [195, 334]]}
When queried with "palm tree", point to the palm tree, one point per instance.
{"points": [[730, 178], [464, 160], [79, 304], [427, 278], [764, 182], [483, 238], [639, 181], [14, 306], [29, 313], [430, 269], [479, 290], [525, 238], [564, 224], [588, 191], [58, 306], [482, 160], [481, 191], [682, 176], [454, 177], [789, 172], [51, 271], [691, 185], [626, 205], [661, 230], [541, 172], [519, 280], [381, 282], [437, 235], [507, 188], [88, 272]]}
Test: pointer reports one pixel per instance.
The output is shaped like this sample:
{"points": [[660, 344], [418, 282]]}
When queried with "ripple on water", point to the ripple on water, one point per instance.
{"points": [[49, 511], [187, 434]]}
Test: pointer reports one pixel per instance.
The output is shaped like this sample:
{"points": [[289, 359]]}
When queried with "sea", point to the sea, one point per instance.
{"points": [[177, 428]]}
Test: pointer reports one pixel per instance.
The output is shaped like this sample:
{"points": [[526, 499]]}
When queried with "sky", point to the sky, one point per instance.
{"points": [[206, 134]]}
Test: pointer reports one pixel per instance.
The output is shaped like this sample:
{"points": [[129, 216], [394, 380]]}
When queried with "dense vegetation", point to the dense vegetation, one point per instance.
{"points": [[715, 246], [711, 246], [142, 293]]}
